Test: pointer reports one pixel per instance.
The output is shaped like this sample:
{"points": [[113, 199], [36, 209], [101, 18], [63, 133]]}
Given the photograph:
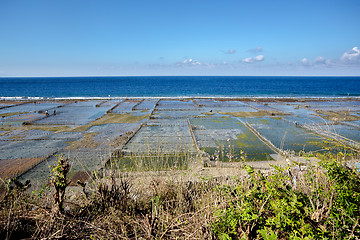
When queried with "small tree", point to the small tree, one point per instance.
{"points": [[60, 182]]}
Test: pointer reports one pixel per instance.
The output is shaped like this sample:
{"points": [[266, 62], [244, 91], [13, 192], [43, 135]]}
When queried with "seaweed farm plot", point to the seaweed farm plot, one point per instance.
{"points": [[184, 104], [174, 109], [219, 103], [299, 115], [286, 135], [346, 131], [261, 106], [153, 139], [31, 107], [159, 145], [126, 106], [227, 139], [212, 105], [16, 157], [27, 149], [160, 134], [25, 135], [168, 114], [332, 105], [27, 112], [354, 123], [109, 103], [88, 150], [88, 144], [77, 113], [20, 118], [146, 104], [6, 104], [110, 134]]}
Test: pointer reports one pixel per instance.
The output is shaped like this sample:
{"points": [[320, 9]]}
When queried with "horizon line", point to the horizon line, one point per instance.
{"points": [[89, 76]]}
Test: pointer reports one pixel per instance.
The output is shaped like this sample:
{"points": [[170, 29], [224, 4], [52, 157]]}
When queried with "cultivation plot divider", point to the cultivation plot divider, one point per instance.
{"points": [[264, 140], [193, 100], [326, 134], [257, 108], [116, 105], [333, 136], [351, 124], [15, 105], [193, 136], [119, 151], [134, 107], [156, 104], [100, 104]]}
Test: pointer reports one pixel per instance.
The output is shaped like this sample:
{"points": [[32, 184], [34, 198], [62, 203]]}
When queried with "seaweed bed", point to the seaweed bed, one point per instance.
{"points": [[213, 132]]}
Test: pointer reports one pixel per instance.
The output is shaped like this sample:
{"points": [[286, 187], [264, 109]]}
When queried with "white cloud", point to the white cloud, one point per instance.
{"points": [[256, 50], [351, 56], [230, 51], [189, 62], [258, 58], [305, 62], [320, 60]]}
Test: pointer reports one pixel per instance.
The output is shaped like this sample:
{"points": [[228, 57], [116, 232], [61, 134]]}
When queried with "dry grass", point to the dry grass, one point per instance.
{"points": [[114, 207], [9, 114], [19, 136], [6, 132], [51, 128], [338, 115], [86, 142], [47, 128], [208, 113]]}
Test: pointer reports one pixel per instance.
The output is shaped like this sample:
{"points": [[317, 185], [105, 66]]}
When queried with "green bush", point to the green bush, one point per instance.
{"points": [[321, 202], [345, 206]]}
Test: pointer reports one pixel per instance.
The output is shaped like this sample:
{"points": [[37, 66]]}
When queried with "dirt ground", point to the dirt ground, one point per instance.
{"points": [[14, 167]]}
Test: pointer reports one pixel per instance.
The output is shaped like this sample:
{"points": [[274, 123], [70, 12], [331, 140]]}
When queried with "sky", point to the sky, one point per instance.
{"points": [[187, 37]]}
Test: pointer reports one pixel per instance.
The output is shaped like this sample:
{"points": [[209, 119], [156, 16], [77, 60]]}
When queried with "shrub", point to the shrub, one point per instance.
{"points": [[321, 202]]}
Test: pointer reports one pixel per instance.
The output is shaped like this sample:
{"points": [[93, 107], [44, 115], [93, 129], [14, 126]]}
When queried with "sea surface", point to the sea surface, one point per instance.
{"points": [[90, 87]]}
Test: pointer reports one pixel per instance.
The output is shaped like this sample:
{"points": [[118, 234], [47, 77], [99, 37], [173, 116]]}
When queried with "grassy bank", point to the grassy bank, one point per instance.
{"points": [[320, 201]]}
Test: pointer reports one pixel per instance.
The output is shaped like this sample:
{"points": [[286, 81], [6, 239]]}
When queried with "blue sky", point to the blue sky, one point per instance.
{"points": [[165, 37]]}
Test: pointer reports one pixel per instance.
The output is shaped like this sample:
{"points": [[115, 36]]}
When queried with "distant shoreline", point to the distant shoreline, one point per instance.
{"points": [[232, 98]]}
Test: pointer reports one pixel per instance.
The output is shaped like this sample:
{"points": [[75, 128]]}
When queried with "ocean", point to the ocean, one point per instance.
{"points": [[178, 86]]}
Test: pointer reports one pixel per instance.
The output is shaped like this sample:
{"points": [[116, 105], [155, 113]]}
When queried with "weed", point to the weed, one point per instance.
{"points": [[60, 183]]}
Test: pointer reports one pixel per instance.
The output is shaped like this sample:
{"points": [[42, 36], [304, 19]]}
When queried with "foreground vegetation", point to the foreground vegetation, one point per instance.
{"points": [[319, 201]]}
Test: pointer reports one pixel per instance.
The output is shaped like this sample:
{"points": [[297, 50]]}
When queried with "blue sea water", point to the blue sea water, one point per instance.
{"points": [[87, 87]]}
